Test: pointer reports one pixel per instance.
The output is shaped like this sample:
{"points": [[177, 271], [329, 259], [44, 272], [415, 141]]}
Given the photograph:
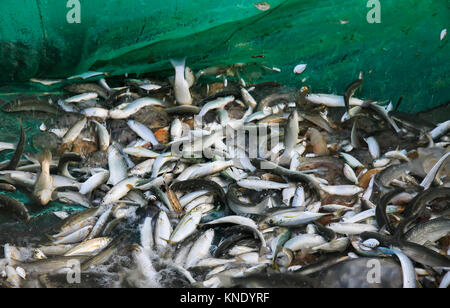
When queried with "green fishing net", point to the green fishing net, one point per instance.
{"points": [[400, 56]]}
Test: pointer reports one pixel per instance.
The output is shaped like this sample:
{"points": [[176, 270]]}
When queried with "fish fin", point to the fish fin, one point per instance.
{"points": [[179, 65], [399, 103], [45, 156]]}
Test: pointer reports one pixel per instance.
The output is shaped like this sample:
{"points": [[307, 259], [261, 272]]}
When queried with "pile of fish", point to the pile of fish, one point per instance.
{"points": [[308, 186]]}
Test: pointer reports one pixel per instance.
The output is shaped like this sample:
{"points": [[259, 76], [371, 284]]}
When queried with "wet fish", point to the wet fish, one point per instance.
{"points": [[64, 162], [89, 248], [430, 231], [94, 182], [292, 217], [200, 249], [134, 107], [31, 105], [117, 165], [14, 162], [43, 189], [351, 89], [181, 85], [73, 134], [16, 207], [143, 131], [186, 227]]}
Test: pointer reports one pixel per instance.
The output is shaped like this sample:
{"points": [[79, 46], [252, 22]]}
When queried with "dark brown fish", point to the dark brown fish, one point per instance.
{"points": [[19, 150], [14, 206], [351, 89]]}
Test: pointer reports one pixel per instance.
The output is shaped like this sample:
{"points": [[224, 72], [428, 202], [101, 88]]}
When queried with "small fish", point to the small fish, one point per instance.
{"points": [[248, 98], [262, 6], [75, 237], [174, 201], [103, 136], [209, 169], [443, 34], [80, 88], [43, 189], [6, 146], [31, 104], [150, 87], [291, 134], [7, 187], [107, 253], [352, 161], [381, 162], [351, 228], [94, 182], [100, 224], [120, 190], [430, 231], [71, 197], [118, 168], [431, 176], [336, 245], [160, 161], [186, 227], [440, 130], [260, 185], [46, 82], [371, 243], [350, 91], [14, 162], [374, 148], [143, 131], [72, 135], [52, 265], [292, 217], [244, 222], [64, 162], [163, 230], [176, 129], [181, 85], [300, 69], [304, 241], [146, 231], [82, 97], [141, 152], [445, 282], [384, 114], [143, 168], [89, 248], [96, 112], [350, 174], [200, 249], [216, 104], [134, 107], [14, 206], [409, 275], [87, 75], [342, 190], [333, 101]]}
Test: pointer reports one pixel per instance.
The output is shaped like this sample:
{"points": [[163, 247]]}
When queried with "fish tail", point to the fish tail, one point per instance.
{"points": [[45, 156], [179, 65]]}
